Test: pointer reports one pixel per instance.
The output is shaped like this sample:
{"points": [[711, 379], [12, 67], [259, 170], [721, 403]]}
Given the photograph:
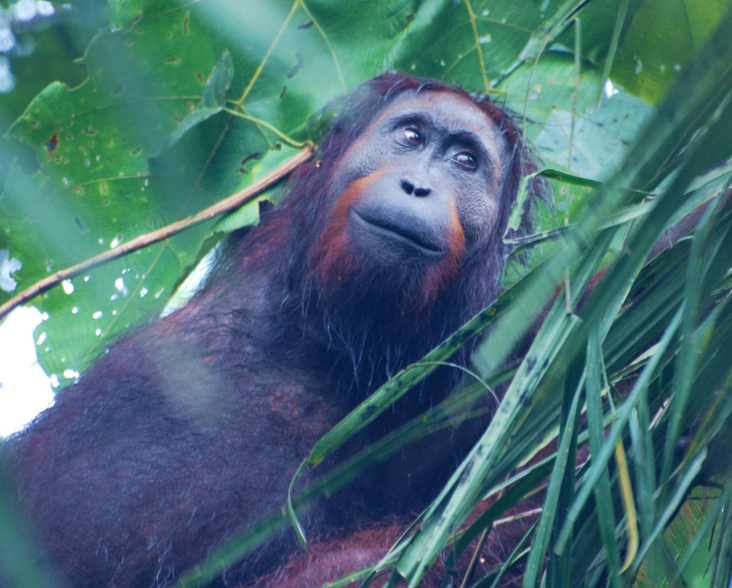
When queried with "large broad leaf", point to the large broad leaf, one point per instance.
{"points": [[647, 63]]}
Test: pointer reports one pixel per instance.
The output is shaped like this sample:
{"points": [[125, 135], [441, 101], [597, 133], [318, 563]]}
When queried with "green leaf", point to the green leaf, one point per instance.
{"points": [[647, 63], [213, 101]]}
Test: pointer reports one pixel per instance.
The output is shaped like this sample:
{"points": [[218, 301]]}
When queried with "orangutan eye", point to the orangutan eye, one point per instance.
{"points": [[466, 160], [413, 136]]}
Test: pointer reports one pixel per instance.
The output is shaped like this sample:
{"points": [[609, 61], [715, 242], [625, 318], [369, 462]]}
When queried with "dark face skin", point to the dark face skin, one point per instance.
{"points": [[422, 180]]}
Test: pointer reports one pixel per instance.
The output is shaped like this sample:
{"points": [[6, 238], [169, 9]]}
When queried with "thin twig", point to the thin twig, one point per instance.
{"points": [[477, 552], [230, 203]]}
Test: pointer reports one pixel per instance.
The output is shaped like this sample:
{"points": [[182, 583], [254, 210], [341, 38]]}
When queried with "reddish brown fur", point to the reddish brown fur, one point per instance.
{"points": [[438, 276], [333, 257], [332, 559]]}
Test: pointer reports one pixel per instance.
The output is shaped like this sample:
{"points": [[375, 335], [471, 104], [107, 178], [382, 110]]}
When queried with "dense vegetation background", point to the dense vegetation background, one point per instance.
{"points": [[174, 106]]}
